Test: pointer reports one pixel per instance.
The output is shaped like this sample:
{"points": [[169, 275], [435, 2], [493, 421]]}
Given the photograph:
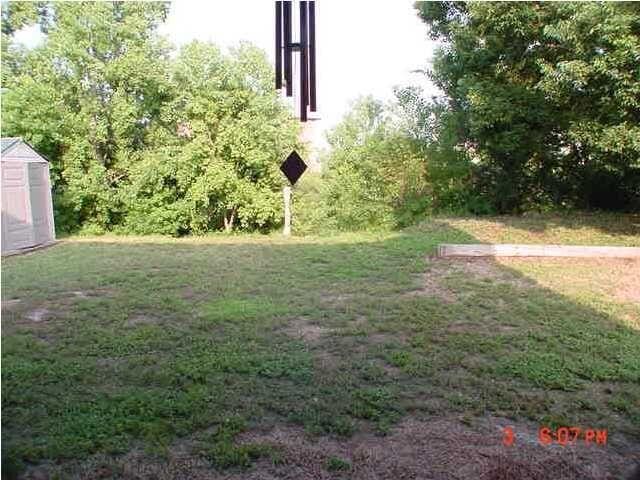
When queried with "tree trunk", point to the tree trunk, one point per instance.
{"points": [[228, 221]]}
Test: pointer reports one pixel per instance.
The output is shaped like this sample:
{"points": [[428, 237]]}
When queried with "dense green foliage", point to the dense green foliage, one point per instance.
{"points": [[221, 165], [140, 141], [374, 172], [541, 101]]}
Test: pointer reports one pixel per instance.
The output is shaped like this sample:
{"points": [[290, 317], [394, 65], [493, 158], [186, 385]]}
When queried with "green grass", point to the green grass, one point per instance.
{"points": [[149, 341], [219, 448], [335, 464]]}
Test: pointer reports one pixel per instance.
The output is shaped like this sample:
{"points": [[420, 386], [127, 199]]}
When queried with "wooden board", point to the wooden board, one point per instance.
{"points": [[512, 250]]}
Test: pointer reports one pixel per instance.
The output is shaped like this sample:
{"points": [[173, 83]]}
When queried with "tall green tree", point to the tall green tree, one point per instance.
{"points": [[543, 98], [86, 98], [213, 159]]}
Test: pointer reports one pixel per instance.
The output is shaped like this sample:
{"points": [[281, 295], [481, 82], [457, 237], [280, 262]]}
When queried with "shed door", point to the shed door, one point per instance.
{"points": [[16, 216], [40, 198]]}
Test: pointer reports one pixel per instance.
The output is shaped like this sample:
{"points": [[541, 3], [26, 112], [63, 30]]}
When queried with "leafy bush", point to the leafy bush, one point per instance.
{"points": [[309, 208], [375, 174]]}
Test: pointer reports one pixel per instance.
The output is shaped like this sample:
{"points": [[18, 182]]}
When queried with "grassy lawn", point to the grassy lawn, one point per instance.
{"points": [[248, 355]]}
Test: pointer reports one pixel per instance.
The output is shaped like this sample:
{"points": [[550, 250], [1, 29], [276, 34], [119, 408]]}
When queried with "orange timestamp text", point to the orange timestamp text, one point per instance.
{"points": [[561, 436]]}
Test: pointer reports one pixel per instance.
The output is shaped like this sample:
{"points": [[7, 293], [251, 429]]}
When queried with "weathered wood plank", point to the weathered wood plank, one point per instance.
{"points": [[513, 250]]}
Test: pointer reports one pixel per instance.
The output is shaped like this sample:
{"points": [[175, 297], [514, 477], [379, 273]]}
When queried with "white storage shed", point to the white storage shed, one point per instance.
{"points": [[27, 208]]}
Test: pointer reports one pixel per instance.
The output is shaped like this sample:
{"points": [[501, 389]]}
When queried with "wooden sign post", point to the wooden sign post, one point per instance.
{"points": [[286, 192], [293, 168]]}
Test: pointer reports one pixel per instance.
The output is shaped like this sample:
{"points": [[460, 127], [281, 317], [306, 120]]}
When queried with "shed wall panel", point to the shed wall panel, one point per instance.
{"points": [[40, 198], [16, 208]]}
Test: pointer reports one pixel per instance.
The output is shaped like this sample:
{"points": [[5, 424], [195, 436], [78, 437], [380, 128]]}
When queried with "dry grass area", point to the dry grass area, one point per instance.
{"points": [[445, 448], [591, 281], [594, 282], [440, 449], [569, 229]]}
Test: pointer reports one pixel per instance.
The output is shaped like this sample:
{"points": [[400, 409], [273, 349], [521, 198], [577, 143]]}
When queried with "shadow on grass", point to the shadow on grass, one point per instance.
{"points": [[152, 343]]}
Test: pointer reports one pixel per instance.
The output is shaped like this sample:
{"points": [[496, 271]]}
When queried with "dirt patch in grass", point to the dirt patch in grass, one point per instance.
{"points": [[334, 299], [390, 370], [487, 269], [110, 362], [629, 292], [303, 329], [326, 360], [359, 321], [462, 327], [39, 315], [433, 281], [371, 341], [192, 294], [430, 286], [80, 294], [70, 296], [383, 338], [135, 465], [188, 293], [142, 319]]}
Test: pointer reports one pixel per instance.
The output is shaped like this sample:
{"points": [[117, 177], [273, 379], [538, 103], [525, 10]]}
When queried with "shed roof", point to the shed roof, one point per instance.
{"points": [[15, 149], [8, 142]]}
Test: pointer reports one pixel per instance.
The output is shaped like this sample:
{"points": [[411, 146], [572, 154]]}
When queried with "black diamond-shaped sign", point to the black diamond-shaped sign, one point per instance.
{"points": [[293, 167]]}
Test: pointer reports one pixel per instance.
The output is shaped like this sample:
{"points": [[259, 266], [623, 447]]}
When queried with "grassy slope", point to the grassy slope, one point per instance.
{"points": [[142, 341]]}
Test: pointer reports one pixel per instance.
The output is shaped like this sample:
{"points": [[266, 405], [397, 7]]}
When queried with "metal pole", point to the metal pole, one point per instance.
{"points": [[304, 62], [286, 23], [312, 56], [286, 193], [278, 45]]}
